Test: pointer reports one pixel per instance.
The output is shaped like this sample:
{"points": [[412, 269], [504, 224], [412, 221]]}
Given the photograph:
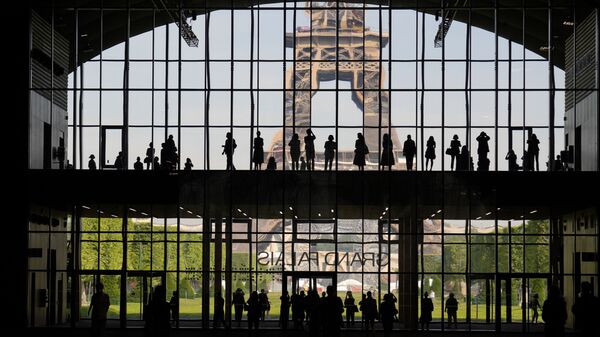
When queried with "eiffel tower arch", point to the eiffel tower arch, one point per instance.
{"points": [[358, 52]]}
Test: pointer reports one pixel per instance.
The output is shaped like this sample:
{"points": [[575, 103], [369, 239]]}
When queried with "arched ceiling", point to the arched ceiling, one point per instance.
{"points": [[114, 23]]}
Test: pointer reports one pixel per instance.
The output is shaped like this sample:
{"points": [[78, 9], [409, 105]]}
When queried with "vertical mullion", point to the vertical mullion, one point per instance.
{"points": [[100, 136], [166, 84], [495, 86], [153, 89], [75, 63], [181, 21], [551, 92], [252, 87], [422, 105]]}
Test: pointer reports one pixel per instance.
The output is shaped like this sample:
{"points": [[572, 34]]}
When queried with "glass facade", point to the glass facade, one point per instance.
{"points": [[140, 72]]}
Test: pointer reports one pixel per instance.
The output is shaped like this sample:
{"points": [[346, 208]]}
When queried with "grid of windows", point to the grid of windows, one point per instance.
{"points": [[339, 70]]}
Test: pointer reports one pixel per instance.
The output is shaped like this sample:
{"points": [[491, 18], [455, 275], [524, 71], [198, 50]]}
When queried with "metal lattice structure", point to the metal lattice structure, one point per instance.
{"points": [[357, 50]]}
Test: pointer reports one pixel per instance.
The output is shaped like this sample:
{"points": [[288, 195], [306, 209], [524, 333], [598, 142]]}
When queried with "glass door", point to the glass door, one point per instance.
{"points": [[139, 289], [481, 302]]}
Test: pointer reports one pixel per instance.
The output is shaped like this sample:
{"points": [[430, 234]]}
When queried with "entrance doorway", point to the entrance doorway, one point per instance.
{"points": [[515, 308], [139, 289]]}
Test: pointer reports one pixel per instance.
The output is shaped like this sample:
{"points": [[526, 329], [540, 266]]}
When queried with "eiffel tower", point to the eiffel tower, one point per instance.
{"points": [[358, 51]]}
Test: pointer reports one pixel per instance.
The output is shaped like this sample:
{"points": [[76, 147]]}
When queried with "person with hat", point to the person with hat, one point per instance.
{"points": [[92, 163]]}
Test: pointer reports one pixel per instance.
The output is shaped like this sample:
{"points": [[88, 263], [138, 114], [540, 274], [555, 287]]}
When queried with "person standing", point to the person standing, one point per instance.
{"points": [[533, 149], [188, 164], [258, 157], [351, 309], [512, 160], [99, 308], [451, 308], [149, 156], [535, 306], [426, 310], [238, 305], [219, 316], [360, 151], [297, 301], [294, 145], [330, 147], [387, 310], [482, 151], [369, 307], [554, 313], [409, 151], [430, 153], [284, 312], [272, 164], [174, 304], [586, 313], [454, 151], [119, 161], [92, 163], [332, 309], [254, 310], [309, 149], [228, 150], [387, 154]]}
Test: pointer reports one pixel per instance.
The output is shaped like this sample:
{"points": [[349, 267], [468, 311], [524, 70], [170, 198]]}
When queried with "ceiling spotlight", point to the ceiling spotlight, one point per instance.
{"points": [[291, 209], [533, 212], [280, 212], [239, 210], [295, 217], [568, 21], [332, 210], [319, 214], [190, 212], [84, 206], [132, 209], [488, 213], [478, 218], [245, 214], [438, 211], [498, 208], [143, 213]]}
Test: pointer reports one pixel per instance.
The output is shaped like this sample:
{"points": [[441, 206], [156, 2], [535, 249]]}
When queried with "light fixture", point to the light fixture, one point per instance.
{"points": [[533, 212], [239, 210], [432, 215], [181, 208], [488, 213], [280, 212], [332, 210], [568, 21], [383, 213], [386, 208], [438, 211], [498, 208], [114, 216], [142, 213], [319, 214], [190, 212], [132, 209], [84, 206], [198, 216], [245, 214], [295, 217], [291, 209], [478, 218]]}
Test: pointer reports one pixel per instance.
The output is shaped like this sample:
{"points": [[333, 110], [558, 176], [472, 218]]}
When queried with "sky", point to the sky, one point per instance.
{"points": [[269, 34]]}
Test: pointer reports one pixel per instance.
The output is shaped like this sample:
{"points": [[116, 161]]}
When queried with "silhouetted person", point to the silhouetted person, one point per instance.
{"points": [[535, 305], [483, 164], [174, 304], [164, 157], [483, 147], [219, 316], [462, 162], [312, 313], [586, 310], [258, 156], [369, 311], [170, 143], [360, 151], [92, 163], [387, 311], [272, 164], [409, 151], [451, 309], [351, 309], [149, 156], [454, 151], [361, 307], [526, 161], [426, 310], [330, 147], [512, 160], [297, 301], [284, 310], [253, 307], [228, 150], [119, 161], [331, 309], [533, 148], [99, 308], [309, 149], [160, 313], [138, 166], [188, 164], [170, 154], [554, 313], [430, 153], [156, 165], [302, 164], [263, 299], [558, 164], [387, 154], [238, 302], [61, 153], [294, 145]]}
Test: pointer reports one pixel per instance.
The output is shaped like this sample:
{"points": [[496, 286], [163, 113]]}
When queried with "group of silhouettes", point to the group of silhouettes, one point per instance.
{"points": [[323, 315], [460, 157]]}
